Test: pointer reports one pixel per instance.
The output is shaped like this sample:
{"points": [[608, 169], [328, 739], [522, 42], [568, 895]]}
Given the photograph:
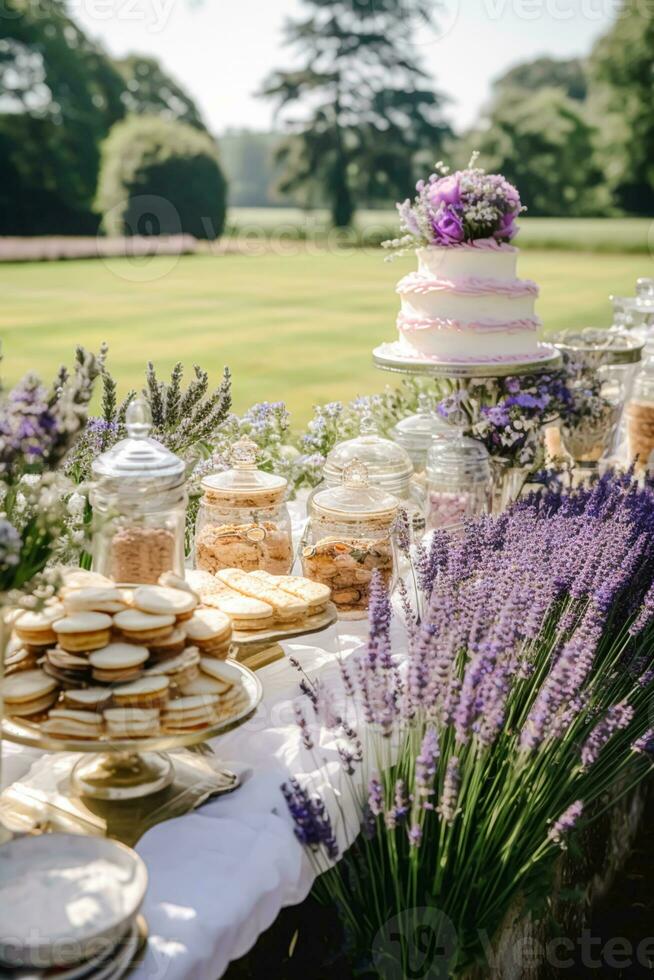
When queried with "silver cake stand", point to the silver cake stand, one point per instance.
{"points": [[390, 357]]}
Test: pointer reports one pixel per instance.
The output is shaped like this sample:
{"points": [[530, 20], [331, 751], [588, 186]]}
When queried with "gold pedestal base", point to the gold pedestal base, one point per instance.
{"points": [[122, 775]]}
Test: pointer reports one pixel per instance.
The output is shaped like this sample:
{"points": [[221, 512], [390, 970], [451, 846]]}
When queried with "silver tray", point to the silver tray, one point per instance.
{"points": [[390, 357]]}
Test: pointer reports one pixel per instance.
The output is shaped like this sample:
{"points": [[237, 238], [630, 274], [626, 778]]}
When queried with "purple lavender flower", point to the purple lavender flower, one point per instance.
{"points": [[375, 796], [450, 795], [645, 743], [10, 547], [565, 823], [313, 827], [426, 764], [303, 725], [618, 717], [415, 835]]}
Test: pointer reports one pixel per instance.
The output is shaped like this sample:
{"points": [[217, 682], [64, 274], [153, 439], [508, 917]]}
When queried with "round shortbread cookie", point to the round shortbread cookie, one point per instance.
{"points": [[220, 670], [189, 658], [208, 625], [94, 698], [132, 722], [143, 692], [119, 656], [28, 685], [204, 684], [83, 631], [81, 578], [159, 600], [105, 600], [144, 626]]}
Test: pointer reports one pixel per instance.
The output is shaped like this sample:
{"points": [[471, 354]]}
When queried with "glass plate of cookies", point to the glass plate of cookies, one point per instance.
{"points": [[125, 674]]}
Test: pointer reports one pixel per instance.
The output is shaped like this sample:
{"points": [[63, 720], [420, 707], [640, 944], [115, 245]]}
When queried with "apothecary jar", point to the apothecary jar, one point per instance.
{"points": [[139, 505], [459, 482], [348, 536], [243, 521]]}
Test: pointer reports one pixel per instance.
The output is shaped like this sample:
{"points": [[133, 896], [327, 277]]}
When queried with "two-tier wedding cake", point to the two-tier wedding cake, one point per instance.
{"points": [[465, 304]]}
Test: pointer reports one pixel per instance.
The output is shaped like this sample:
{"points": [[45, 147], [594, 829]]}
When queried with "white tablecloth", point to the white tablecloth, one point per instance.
{"points": [[219, 876]]}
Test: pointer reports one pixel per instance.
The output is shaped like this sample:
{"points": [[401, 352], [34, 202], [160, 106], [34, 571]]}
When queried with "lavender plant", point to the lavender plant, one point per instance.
{"points": [[522, 705]]}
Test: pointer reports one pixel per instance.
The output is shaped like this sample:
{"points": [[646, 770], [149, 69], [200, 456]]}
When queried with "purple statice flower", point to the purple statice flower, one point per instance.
{"points": [[303, 725], [313, 827], [645, 743], [375, 796], [618, 717], [450, 795], [565, 823], [415, 835], [426, 764]]}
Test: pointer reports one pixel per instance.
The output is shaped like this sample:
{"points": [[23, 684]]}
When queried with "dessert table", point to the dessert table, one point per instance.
{"points": [[218, 876]]}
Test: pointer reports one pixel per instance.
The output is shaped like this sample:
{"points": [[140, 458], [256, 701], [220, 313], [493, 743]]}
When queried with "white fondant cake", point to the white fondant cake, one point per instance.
{"points": [[465, 304]]}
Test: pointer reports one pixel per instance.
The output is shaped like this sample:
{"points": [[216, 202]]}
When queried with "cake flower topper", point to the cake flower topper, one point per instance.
{"points": [[461, 208]]}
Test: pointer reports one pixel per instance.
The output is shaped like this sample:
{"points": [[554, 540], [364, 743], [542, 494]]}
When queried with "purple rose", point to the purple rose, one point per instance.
{"points": [[507, 227], [448, 227], [445, 191]]}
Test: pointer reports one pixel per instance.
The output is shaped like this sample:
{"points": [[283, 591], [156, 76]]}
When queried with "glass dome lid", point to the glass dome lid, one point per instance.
{"points": [[458, 461], [417, 431], [139, 461], [387, 463], [243, 477], [354, 499]]}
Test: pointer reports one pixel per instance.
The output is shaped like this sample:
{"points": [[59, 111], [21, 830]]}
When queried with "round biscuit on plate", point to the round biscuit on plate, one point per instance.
{"points": [[159, 600], [106, 600], [83, 631], [182, 668], [170, 646], [132, 722], [29, 692], [89, 698], [146, 692], [142, 627], [64, 722], [35, 627], [118, 662], [210, 630]]}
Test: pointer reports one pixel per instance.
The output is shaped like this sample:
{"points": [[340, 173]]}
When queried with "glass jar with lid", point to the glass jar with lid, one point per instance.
{"points": [[389, 467], [139, 505], [416, 433], [459, 482], [348, 536], [640, 416], [243, 521]]}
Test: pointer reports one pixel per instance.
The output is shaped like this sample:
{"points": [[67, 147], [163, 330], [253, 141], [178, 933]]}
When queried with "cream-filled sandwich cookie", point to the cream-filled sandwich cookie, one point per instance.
{"points": [[69, 669], [190, 713], [315, 594], [146, 692], [105, 600], [160, 601], [170, 646], [67, 722], [84, 631], [170, 580], [210, 630], [180, 669], [203, 583], [132, 722], [34, 628], [286, 606], [21, 659], [204, 684], [29, 692], [142, 627], [81, 578], [218, 669], [88, 698], [118, 662]]}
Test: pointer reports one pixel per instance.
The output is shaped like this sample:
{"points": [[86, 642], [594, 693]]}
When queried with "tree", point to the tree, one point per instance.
{"points": [[149, 90], [543, 144], [161, 177], [531, 76], [622, 96], [60, 95], [366, 107]]}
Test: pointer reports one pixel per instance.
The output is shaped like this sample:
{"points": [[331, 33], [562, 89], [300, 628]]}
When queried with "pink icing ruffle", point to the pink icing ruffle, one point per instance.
{"points": [[418, 282], [406, 324]]}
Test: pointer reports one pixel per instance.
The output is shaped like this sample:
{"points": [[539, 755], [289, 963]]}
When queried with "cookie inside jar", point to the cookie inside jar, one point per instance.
{"points": [[243, 521], [348, 538]]}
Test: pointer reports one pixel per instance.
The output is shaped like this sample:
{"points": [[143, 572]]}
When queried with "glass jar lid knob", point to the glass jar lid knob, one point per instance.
{"points": [[424, 403], [244, 453], [138, 419], [355, 474], [368, 426]]}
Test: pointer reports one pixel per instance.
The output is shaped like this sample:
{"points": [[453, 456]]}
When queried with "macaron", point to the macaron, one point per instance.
{"points": [[190, 713], [161, 601], [132, 722], [210, 630], [29, 692], [141, 627], [88, 698], [170, 646], [35, 627], [179, 669], [118, 662], [83, 631], [76, 724], [105, 600], [146, 692]]}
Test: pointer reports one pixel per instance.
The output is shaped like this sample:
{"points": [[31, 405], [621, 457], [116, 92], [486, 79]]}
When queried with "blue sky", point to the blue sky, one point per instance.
{"points": [[222, 49]]}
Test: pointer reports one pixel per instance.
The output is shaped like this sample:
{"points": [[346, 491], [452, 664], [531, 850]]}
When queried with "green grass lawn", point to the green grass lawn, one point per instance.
{"points": [[634, 235], [298, 327]]}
